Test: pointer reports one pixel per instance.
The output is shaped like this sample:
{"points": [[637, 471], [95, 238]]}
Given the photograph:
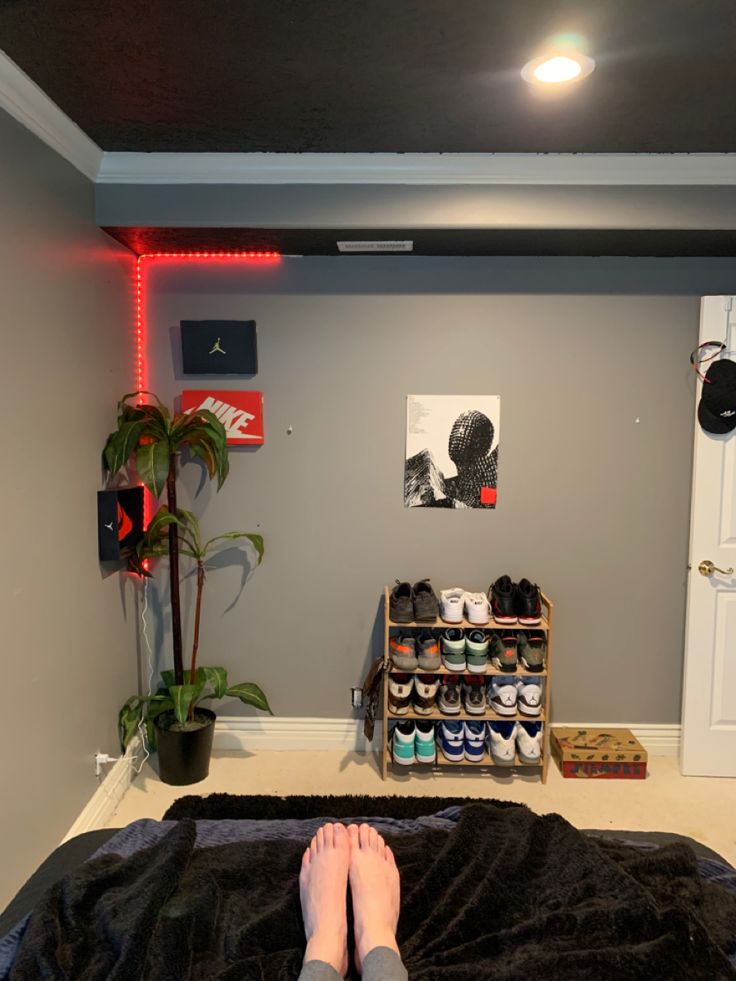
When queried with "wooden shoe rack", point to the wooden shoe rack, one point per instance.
{"points": [[387, 764]]}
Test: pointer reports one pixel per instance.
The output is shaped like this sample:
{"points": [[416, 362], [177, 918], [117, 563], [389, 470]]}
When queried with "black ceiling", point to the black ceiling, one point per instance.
{"points": [[379, 75], [461, 241]]}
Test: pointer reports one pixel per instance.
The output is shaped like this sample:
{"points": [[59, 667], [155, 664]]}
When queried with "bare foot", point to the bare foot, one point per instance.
{"points": [[374, 884], [323, 886]]}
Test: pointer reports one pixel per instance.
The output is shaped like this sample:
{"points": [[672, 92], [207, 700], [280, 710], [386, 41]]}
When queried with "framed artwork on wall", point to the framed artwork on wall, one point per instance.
{"points": [[119, 521]]}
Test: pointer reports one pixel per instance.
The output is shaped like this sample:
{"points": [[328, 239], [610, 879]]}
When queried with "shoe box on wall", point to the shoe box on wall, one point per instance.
{"points": [[612, 754]]}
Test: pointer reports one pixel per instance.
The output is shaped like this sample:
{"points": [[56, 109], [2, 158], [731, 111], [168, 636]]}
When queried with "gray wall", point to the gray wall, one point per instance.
{"points": [[68, 655], [592, 504]]}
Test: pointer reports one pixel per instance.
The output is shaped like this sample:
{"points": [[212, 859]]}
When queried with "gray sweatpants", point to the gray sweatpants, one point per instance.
{"points": [[380, 964]]}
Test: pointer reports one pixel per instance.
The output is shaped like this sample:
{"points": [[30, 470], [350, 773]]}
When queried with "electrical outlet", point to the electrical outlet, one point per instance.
{"points": [[357, 697]]}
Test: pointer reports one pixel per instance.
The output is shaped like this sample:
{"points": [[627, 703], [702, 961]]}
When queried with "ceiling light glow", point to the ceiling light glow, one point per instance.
{"points": [[557, 69]]}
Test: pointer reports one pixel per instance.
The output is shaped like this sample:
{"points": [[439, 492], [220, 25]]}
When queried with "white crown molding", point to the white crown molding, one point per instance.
{"points": [[419, 168], [104, 802], [29, 104], [346, 735]]}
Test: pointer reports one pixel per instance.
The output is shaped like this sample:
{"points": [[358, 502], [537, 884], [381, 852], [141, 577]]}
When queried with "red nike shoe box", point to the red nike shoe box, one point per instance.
{"points": [[603, 754]]}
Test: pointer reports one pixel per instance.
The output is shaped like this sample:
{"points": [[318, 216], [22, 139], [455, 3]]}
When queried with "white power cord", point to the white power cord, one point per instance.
{"points": [[142, 724]]}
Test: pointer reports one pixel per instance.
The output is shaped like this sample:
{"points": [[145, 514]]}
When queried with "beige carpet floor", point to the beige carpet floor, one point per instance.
{"points": [[700, 807]]}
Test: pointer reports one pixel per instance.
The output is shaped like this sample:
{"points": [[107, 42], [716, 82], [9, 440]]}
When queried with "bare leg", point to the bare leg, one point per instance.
{"points": [[323, 882], [374, 884]]}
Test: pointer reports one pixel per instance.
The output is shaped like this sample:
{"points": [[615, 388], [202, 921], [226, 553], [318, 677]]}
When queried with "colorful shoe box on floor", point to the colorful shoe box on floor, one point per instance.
{"points": [[607, 754], [506, 743]]}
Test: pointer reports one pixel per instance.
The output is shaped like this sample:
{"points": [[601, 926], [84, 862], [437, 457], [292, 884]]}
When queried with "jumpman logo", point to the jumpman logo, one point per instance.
{"points": [[216, 348], [110, 526]]}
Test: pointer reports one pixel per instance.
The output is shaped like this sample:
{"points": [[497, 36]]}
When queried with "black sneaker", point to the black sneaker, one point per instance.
{"points": [[532, 648], [426, 604], [502, 597], [401, 603], [528, 604]]}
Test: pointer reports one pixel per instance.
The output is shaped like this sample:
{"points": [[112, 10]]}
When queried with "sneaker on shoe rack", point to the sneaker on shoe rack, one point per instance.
{"points": [[476, 651], [425, 745], [428, 651], [529, 695], [474, 738], [532, 649], [448, 700], [401, 603], [400, 688], [452, 605], [504, 651], [474, 695], [529, 741], [502, 597], [426, 605], [402, 742], [426, 687], [502, 696], [403, 651], [477, 608], [452, 647], [501, 741], [451, 739], [528, 603]]}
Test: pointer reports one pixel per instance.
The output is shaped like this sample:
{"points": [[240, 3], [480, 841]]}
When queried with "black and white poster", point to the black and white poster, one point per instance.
{"points": [[452, 451]]}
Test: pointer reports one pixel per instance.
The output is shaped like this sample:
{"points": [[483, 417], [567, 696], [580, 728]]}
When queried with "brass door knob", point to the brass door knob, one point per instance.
{"points": [[706, 568]]}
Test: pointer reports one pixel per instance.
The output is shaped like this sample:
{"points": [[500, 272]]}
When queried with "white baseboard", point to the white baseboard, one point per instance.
{"points": [[102, 804], [273, 733]]}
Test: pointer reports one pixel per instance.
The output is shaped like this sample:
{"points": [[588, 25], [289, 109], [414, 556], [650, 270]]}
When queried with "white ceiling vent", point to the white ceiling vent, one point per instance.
{"points": [[388, 245]]}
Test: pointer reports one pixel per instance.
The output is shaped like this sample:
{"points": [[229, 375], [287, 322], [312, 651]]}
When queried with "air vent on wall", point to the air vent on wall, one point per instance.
{"points": [[388, 245]]}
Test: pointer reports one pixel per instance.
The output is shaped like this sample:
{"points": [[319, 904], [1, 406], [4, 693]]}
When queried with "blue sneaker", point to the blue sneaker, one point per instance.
{"points": [[474, 737], [450, 737]]}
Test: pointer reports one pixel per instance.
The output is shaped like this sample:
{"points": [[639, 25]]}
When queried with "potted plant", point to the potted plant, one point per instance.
{"points": [[150, 436]]}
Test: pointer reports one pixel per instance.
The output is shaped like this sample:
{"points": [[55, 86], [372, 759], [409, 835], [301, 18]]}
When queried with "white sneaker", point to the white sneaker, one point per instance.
{"points": [[502, 695], [451, 605], [400, 688], [477, 608], [501, 741], [529, 695], [529, 741]]}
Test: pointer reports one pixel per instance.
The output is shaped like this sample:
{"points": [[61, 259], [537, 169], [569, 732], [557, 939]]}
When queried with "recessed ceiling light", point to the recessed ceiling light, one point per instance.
{"points": [[557, 69]]}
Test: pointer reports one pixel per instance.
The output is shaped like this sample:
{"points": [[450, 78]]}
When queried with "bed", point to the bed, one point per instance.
{"points": [[489, 890]]}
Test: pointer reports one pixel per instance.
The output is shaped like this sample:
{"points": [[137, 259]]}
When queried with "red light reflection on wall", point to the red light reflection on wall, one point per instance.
{"points": [[141, 327]]}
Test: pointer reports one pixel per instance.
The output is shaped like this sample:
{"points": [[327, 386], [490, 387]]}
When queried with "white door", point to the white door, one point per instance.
{"points": [[708, 744]]}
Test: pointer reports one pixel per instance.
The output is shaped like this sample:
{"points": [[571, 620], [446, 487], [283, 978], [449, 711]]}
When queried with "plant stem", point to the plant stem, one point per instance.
{"points": [[174, 574], [195, 645]]}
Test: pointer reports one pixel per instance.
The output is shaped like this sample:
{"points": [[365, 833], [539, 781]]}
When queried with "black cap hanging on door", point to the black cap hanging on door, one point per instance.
{"points": [[717, 406]]}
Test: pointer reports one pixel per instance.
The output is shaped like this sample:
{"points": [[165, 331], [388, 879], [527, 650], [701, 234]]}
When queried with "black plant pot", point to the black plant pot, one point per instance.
{"points": [[184, 757]]}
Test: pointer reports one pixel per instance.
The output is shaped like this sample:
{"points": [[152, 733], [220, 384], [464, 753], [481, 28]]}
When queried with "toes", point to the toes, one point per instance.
{"points": [[353, 835], [364, 833], [314, 844], [390, 858], [306, 857], [328, 836], [341, 836]]}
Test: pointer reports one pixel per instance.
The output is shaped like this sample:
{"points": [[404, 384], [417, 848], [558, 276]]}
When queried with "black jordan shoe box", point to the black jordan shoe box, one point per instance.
{"points": [[219, 347]]}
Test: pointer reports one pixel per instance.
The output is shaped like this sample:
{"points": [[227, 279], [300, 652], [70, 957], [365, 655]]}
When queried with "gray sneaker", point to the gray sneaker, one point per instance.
{"points": [[401, 603], [448, 701], [402, 649], [426, 604], [428, 651]]}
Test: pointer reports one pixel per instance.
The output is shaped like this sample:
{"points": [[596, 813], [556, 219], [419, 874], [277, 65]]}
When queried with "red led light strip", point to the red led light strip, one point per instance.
{"points": [[140, 320]]}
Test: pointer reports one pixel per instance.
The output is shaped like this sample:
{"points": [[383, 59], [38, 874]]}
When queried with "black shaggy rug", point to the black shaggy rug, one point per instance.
{"points": [[219, 807], [506, 895]]}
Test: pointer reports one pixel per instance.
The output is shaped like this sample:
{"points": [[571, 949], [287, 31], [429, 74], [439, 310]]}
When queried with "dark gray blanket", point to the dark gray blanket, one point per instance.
{"points": [[505, 895]]}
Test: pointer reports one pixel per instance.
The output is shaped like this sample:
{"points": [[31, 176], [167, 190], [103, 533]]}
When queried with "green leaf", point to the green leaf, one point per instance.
{"points": [[250, 694], [255, 540], [168, 678], [182, 696], [129, 718], [152, 464], [217, 677]]}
